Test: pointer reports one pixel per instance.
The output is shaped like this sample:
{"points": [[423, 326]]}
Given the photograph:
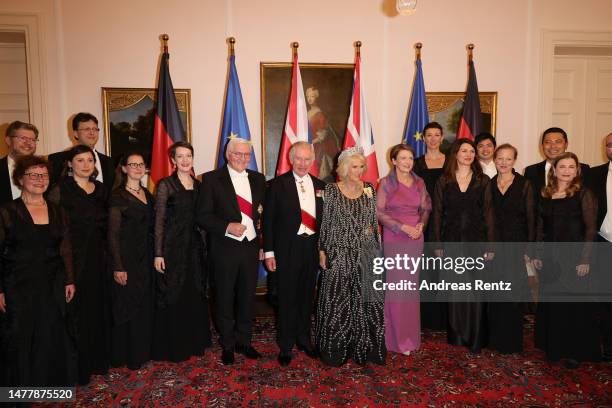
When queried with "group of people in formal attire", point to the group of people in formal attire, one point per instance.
{"points": [[97, 272]]}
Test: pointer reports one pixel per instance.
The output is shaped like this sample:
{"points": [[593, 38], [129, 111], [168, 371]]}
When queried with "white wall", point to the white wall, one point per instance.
{"points": [[91, 44]]}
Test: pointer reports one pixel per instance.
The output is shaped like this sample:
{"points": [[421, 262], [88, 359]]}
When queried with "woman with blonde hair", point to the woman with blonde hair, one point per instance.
{"points": [[350, 321]]}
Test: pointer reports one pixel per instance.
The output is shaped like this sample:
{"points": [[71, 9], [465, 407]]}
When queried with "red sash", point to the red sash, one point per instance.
{"points": [[245, 207], [309, 221]]}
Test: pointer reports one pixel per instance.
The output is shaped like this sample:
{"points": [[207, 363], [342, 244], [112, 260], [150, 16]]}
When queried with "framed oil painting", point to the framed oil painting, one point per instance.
{"points": [[446, 108], [129, 115], [327, 88]]}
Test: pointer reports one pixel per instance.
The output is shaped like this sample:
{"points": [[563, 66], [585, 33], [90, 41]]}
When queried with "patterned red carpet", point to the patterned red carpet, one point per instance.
{"points": [[436, 375]]}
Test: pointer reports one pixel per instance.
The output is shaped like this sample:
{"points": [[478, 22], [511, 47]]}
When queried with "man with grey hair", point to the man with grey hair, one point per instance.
{"points": [[294, 207], [229, 208]]}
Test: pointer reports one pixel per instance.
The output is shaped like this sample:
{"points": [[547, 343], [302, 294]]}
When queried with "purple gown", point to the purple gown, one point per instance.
{"points": [[399, 204]]}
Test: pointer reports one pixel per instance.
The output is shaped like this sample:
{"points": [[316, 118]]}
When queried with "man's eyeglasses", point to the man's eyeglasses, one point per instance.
{"points": [[89, 130], [26, 139], [37, 176], [241, 155], [136, 165]]}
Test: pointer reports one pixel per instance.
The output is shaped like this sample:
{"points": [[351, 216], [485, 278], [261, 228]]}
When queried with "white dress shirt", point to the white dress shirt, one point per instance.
{"points": [[15, 190], [546, 170], [606, 225], [100, 176], [307, 203], [489, 169], [240, 181]]}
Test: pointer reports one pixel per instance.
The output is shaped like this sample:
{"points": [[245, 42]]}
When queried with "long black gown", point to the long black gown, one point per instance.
{"points": [[130, 238], [515, 222], [89, 312], [433, 314], [464, 217], [566, 329], [182, 327], [350, 314], [36, 266]]}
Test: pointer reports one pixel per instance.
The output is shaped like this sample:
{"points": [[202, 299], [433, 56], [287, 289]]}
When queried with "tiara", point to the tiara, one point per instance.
{"points": [[351, 151]]}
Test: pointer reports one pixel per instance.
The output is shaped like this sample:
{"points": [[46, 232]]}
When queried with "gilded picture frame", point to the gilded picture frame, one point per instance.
{"points": [[446, 108], [327, 88], [129, 115]]}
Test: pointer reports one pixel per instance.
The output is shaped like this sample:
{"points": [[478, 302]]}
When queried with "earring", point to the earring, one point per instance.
{"points": [[70, 174]]}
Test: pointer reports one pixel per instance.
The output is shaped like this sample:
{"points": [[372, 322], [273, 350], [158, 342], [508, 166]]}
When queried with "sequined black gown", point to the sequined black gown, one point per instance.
{"points": [[350, 316]]}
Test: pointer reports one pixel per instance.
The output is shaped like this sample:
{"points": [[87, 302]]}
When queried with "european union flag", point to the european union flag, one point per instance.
{"points": [[235, 122], [418, 116]]}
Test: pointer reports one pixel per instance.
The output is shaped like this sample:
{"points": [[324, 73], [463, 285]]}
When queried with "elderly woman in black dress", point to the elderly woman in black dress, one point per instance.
{"points": [[515, 225], [350, 315], [85, 201], [130, 238], [36, 282], [182, 327]]}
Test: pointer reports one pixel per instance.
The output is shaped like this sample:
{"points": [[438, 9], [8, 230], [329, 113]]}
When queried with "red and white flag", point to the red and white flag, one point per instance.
{"points": [[296, 125], [358, 129]]}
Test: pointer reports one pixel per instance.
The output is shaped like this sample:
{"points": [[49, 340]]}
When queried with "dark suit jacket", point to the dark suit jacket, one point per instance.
{"points": [[598, 179], [217, 205], [6, 193], [535, 175], [283, 215], [106, 164]]}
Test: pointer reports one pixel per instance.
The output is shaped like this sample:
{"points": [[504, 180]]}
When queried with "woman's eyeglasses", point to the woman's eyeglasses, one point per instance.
{"points": [[136, 165], [37, 176]]}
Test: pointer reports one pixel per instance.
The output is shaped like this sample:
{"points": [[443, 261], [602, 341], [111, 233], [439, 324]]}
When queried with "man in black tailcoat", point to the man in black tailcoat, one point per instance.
{"points": [[294, 207], [229, 208]]}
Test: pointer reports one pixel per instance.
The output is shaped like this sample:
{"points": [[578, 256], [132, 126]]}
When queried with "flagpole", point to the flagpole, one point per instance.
{"points": [[470, 48], [295, 46], [417, 48], [357, 45], [165, 38], [231, 41]]}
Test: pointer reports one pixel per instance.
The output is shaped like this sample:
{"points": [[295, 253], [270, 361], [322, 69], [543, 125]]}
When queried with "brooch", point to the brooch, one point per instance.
{"points": [[368, 192]]}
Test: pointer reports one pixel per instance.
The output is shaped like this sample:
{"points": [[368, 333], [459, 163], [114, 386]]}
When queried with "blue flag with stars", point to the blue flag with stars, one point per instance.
{"points": [[418, 116], [235, 122]]}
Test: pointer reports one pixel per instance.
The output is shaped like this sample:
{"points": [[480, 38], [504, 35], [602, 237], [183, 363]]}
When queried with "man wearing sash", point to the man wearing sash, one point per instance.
{"points": [[229, 208], [294, 206]]}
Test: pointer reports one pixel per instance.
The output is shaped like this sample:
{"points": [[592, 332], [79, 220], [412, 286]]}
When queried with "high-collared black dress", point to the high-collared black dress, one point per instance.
{"points": [[182, 327]]}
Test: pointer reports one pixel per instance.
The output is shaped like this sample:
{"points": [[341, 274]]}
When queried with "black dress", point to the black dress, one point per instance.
{"points": [[515, 224], [566, 329], [350, 314], [182, 327], [433, 313], [464, 217], [36, 266], [89, 312], [130, 238]]}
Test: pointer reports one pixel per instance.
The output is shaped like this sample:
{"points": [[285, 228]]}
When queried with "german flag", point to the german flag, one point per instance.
{"points": [[168, 127], [470, 124]]}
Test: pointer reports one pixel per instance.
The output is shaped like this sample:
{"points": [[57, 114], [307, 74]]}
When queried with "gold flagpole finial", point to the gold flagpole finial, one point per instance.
{"points": [[165, 38], [357, 45], [294, 46], [418, 47], [231, 41], [470, 48]]}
